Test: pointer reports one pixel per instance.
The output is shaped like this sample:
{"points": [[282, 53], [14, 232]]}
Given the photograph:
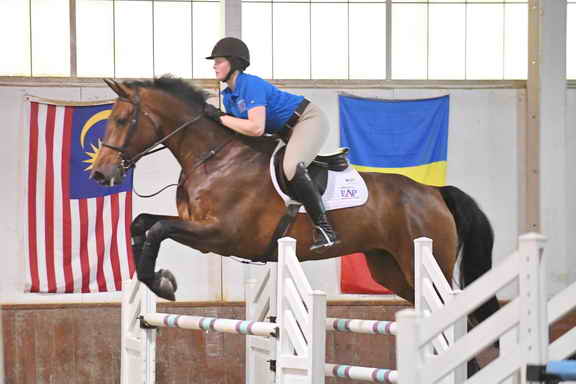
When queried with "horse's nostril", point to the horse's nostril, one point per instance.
{"points": [[98, 177]]}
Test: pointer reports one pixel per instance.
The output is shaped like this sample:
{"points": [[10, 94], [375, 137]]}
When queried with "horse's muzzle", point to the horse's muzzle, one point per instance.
{"points": [[108, 175]]}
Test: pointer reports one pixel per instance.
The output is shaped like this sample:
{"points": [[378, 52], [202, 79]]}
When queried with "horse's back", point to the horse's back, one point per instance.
{"points": [[399, 191]]}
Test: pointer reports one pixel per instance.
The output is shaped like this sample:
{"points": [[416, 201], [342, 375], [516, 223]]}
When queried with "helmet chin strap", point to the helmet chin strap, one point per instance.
{"points": [[230, 72]]}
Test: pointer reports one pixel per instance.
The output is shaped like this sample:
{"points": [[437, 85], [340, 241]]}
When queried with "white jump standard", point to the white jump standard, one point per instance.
{"points": [[295, 343], [432, 290], [284, 288]]}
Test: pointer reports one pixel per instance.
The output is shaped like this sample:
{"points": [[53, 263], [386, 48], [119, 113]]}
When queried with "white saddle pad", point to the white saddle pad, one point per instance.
{"points": [[344, 189]]}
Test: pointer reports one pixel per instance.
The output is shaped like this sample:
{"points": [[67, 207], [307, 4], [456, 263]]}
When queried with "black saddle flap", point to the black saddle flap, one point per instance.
{"points": [[318, 169], [336, 161]]}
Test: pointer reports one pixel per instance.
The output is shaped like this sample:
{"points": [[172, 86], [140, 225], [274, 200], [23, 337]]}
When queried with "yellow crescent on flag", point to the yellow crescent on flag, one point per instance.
{"points": [[97, 117]]}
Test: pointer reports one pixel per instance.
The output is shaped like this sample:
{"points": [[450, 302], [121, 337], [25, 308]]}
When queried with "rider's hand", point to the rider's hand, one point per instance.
{"points": [[213, 113]]}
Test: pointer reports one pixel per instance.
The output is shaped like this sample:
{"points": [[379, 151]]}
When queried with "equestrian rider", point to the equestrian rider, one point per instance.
{"points": [[254, 107]]}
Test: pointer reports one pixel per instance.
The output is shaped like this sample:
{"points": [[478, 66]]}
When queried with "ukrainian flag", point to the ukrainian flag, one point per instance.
{"points": [[408, 137]]}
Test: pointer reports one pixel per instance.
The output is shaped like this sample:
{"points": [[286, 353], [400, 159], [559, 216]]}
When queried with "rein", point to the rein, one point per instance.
{"points": [[203, 159], [150, 150], [127, 164]]}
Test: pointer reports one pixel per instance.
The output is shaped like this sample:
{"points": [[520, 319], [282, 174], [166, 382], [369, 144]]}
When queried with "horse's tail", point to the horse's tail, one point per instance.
{"points": [[475, 240]]}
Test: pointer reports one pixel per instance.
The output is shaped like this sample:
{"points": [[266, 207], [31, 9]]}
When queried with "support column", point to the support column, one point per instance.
{"points": [[546, 146], [231, 12]]}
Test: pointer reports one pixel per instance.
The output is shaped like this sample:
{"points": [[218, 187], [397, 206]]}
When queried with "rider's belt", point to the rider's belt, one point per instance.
{"points": [[297, 113]]}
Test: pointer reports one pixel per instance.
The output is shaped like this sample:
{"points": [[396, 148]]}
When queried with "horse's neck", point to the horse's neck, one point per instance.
{"points": [[203, 137]]}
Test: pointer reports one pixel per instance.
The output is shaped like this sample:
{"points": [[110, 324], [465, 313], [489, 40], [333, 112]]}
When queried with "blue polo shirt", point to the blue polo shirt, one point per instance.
{"points": [[252, 91]]}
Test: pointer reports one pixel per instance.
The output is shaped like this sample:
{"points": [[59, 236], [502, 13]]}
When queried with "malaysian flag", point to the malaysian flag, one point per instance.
{"points": [[78, 232]]}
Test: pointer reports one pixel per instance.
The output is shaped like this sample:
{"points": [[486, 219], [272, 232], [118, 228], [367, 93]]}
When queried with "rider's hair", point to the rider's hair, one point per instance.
{"points": [[237, 63]]}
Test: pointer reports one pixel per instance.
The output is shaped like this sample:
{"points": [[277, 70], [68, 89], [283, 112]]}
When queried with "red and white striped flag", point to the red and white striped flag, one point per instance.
{"points": [[78, 232]]}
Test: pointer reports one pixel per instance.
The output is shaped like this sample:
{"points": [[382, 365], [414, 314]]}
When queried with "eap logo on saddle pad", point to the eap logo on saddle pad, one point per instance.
{"points": [[344, 189], [348, 192]]}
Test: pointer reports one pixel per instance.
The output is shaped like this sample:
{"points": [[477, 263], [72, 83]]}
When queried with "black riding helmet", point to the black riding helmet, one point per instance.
{"points": [[235, 51]]}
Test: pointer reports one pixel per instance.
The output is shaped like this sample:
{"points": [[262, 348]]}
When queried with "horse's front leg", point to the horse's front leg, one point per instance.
{"points": [[140, 225], [162, 282]]}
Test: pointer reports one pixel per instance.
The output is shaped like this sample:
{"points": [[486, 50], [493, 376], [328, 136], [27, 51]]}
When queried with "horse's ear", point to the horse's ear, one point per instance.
{"points": [[118, 88]]}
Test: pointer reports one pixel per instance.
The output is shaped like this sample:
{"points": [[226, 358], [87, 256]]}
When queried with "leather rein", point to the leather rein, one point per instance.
{"points": [[127, 163]]}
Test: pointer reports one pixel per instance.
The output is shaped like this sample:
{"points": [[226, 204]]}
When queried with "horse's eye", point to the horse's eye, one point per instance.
{"points": [[121, 121]]}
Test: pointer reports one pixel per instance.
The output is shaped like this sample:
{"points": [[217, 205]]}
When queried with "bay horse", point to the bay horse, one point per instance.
{"points": [[227, 204]]}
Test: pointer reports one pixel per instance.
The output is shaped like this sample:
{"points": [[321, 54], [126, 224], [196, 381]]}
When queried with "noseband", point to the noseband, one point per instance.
{"points": [[128, 163]]}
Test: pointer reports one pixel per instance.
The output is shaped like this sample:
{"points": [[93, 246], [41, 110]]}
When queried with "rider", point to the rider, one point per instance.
{"points": [[256, 107]]}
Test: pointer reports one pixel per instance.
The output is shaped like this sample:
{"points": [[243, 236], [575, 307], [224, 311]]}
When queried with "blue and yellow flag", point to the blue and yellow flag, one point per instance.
{"points": [[409, 137]]}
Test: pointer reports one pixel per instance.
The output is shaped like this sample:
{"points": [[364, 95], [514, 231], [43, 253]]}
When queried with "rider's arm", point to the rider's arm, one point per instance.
{"points": [[252, 126]]}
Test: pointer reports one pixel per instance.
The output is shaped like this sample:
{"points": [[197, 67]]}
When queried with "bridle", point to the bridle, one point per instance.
{"points": [[127, 163]]}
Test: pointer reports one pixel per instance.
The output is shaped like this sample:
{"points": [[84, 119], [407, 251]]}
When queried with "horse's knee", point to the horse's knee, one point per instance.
{"points": [[142, 223], [159, 231]]}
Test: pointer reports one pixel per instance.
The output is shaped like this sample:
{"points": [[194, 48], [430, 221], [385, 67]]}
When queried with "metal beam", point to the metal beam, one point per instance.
{"points": [[73, 51]]}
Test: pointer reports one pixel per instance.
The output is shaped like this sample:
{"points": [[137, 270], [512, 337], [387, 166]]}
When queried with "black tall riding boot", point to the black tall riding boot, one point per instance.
{"points": [[304, 190]]}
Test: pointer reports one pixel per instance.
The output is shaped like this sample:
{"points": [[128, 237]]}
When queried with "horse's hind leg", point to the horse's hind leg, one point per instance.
{"points": [[386, 271]]}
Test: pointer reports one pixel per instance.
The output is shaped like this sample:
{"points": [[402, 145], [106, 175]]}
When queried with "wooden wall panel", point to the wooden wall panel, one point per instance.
{"points": [[81, 344]]}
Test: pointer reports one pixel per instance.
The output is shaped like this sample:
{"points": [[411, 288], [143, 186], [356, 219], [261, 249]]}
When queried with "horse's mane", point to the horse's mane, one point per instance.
{"points": [[175, 86], [192, 94]]}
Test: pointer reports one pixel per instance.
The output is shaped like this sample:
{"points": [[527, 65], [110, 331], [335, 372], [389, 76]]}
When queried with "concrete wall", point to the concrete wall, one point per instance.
{"points": [[482, 160]]}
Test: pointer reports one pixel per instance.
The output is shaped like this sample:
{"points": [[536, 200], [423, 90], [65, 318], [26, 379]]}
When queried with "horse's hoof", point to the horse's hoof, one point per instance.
{"points": [[164, 273], [164, 288]]}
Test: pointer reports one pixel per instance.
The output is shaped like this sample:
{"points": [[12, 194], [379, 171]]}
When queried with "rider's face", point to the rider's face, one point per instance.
{"points": [[221, 67]]}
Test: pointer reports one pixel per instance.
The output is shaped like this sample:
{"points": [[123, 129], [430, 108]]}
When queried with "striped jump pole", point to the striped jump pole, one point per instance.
{"points": [[239, 327], [375, 375], [372, 327]]}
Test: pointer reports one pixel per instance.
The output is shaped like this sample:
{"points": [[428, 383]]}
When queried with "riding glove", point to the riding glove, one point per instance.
{"points": [[213, 113]]}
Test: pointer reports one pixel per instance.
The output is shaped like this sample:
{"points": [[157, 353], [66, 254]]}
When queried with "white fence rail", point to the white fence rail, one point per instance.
{"points": [[523, 314], [558, 306], [432, 345]]}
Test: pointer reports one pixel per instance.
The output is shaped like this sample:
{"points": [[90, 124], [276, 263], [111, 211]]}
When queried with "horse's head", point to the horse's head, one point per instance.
{"points": [[166, 111], [131, 128]]}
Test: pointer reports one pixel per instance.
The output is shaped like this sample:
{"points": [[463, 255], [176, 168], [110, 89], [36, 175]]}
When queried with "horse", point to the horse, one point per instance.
{"points": [[227, 204]]}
